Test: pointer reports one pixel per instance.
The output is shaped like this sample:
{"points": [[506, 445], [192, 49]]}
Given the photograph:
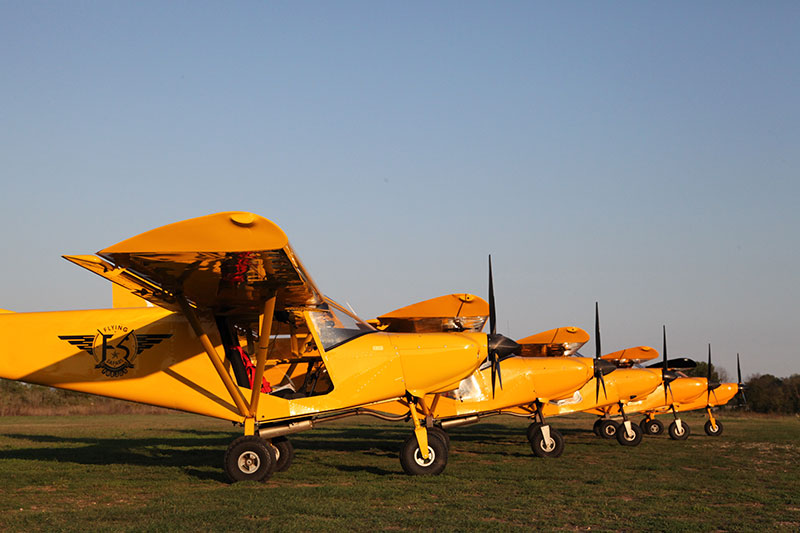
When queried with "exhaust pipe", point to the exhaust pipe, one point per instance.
{"points": [[279, 431], [459, 422]]}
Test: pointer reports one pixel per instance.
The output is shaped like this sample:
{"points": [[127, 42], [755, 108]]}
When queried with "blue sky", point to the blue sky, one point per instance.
{"points": [[641, 154]]}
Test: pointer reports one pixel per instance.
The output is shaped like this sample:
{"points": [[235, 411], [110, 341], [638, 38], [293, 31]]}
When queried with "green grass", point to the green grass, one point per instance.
{"points": [[163, 473]]}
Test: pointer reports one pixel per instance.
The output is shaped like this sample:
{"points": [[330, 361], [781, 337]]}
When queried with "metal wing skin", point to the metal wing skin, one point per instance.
{"points": [[144, 342], [84, 342], [229, 262], [554, 342], [451, 312]]}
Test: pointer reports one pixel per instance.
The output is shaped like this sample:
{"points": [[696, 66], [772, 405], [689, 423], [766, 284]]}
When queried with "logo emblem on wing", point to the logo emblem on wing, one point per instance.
{"points": [[115, 348]]}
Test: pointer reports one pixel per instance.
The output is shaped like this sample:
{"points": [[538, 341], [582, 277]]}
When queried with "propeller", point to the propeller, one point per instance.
{"points": [[598, 367], [742, 386], [499, 346], [711, 386], [667, 376]]}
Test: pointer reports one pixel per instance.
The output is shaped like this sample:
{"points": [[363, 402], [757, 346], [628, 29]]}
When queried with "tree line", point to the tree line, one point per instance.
{"points": [[765, 393]]}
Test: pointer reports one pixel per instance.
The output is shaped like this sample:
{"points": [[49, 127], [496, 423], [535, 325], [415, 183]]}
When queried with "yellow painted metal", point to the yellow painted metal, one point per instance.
{"points": [[261, 353], [168, 366], [633, 355], [249, 426], [235, 393], [452, 312], [525, 380], [420, 431], [554, 342]]}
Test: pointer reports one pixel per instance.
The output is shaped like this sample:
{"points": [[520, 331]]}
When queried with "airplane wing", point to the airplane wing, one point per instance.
{"points": [[451, 312], [554, 342], [228, 262], [632, 356]]}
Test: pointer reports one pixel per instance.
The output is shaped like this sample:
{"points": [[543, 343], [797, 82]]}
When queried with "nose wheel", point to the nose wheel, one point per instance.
{"points": [[678, 431], [546, 441], [651, 426], [713, 430]]}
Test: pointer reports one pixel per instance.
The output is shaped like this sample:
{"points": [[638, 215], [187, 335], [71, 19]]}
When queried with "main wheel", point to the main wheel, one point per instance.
{"points": [[675, 434], [596, 426], [284, 453], [653, 427], [712, 431], [532, 429], [411, 457], [442, 433], [554, 447], [249, 458], [643, 424], [629, 440], [608, 429]]}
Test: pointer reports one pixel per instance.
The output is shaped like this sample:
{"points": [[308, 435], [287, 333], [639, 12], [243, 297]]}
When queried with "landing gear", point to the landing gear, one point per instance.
{"points": [[549, 445], [678, 430], [608, 428], [596, 426], [249, 458], [713, 430], [651, 426], [532, 430], [284, 453], [411, 457], [629, 434], [546, 441], [713, 426], [442, 433]]}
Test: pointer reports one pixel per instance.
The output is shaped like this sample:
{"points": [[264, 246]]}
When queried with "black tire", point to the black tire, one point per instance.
{"points": [[249, 458], [411, 459], [643, 424], [284, 453], [673, 431], [711, 431], [627, 440], [608, 429], [653, 427], [532, 429], [596, 426], [442, 433], [554, 448]]}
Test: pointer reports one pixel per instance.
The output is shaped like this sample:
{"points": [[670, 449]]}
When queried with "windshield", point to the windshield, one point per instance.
{"points": [[335, 326]]}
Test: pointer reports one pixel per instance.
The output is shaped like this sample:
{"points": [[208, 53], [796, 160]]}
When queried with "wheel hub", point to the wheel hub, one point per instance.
{"points": [[422, 461], [248, 462]]}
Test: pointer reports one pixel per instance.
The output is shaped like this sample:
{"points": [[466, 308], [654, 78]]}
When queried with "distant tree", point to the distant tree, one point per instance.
{"points": [[768, 394], [718, 375]]}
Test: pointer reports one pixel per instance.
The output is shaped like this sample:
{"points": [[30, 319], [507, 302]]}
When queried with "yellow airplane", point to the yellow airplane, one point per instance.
{"points": [[623, 385], [543, 371], [675, 391], [224, 288], [716, 394]]}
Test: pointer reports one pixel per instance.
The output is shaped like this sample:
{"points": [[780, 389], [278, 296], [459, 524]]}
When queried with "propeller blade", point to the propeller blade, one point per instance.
{"points": [[664, 366], [492, 311], [708, 378], [597, 352], [739, 376]]}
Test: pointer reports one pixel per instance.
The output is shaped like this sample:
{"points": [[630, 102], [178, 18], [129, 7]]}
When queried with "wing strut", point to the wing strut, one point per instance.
{"points": [[235, 393], [261, 352]]}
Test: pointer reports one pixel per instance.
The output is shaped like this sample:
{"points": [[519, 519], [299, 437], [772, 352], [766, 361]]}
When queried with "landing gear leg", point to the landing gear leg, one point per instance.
{"points": [[423, 452], [678, 430], [628, 434], [713, 426], [545, 441]]}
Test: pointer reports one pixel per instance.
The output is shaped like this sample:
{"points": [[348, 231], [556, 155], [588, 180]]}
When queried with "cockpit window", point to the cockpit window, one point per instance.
{"points": [[335, 326]]}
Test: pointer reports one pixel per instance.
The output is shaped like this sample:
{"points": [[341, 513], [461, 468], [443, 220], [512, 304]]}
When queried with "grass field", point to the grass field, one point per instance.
{"points": [[163, 473]]}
